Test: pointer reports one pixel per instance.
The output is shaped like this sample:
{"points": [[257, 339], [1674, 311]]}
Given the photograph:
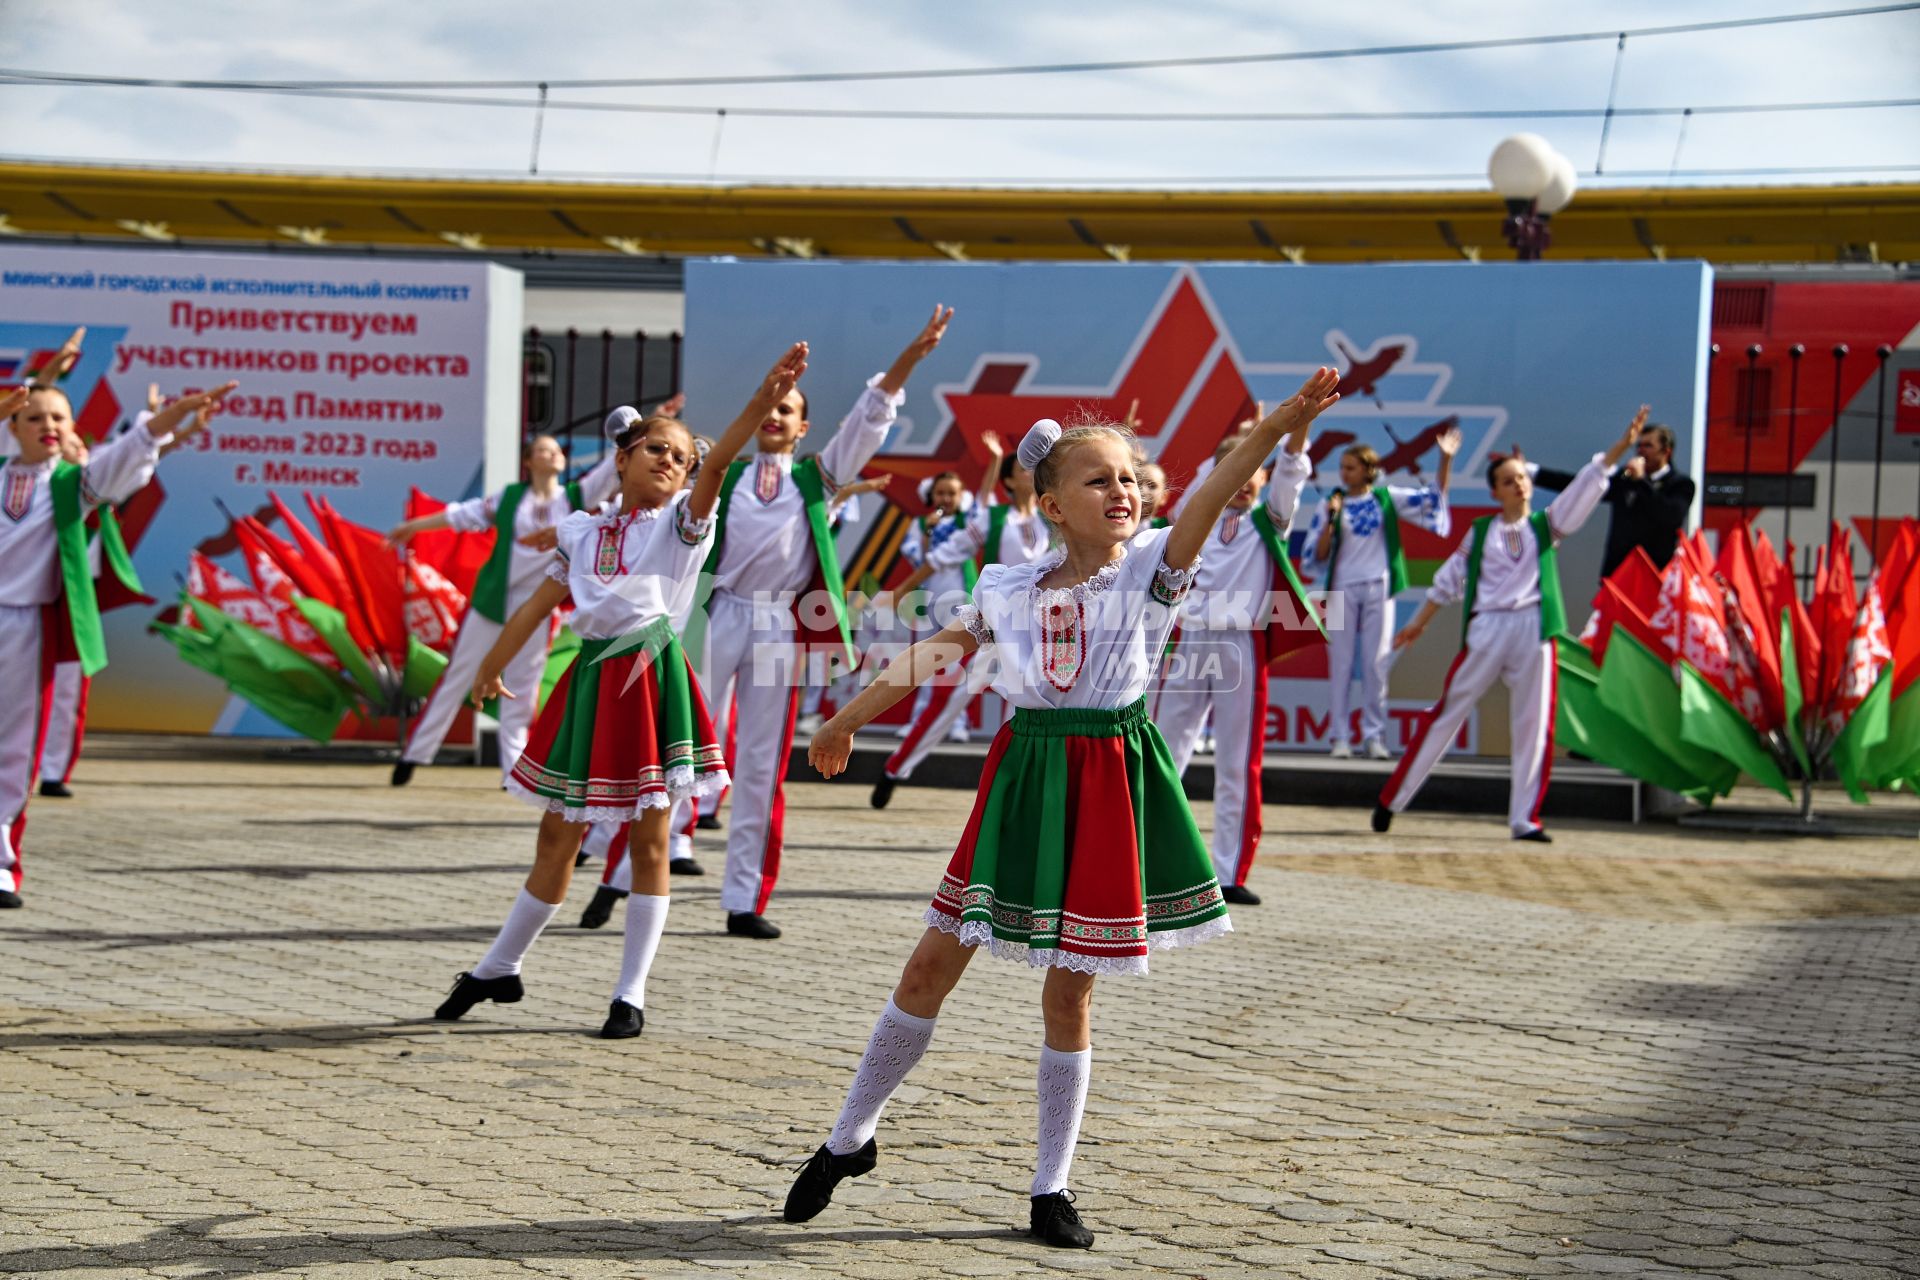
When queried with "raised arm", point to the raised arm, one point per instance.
{"points": [[1290, 419], [834, 743], [773, 389], [1577, 501], [894, 380], [1449, 444], [996, 464], [1291, 470]]}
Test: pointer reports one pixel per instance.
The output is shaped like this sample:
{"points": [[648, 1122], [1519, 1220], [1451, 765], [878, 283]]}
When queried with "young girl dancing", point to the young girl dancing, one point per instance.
{"points": [[1506, 580], [49, 609], [625, 734], [1081, 854]]}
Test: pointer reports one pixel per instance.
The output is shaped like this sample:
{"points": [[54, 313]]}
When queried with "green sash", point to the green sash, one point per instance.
{"points": [[76, 576], [489, 598], [807, 479], [1390, 526], [1553, 609], [1263, 522]]}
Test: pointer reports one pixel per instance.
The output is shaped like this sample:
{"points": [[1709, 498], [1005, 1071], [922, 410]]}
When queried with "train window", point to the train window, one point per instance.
{"points": [[536, 408], [1753, 401]]}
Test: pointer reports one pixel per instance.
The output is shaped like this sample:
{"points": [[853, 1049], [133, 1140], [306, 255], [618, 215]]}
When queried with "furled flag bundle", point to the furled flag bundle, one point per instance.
{"points": [[333, 623], [1689, 677]]}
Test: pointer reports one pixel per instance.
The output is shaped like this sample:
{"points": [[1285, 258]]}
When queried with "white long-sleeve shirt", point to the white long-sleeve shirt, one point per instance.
{"points": [[1363, 537], [1235, 571], [29, 557], [768, 546], [626, 569], [1510, 562], [527, 566]]}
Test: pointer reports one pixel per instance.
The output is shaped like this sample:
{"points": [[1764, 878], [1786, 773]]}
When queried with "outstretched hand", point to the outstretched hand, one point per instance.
{"points": [[63, 359], [1448, 442], [929, 337], [783, 377], [1296, 413], [168, 421], [488, 686], [830, 750], [1406, 636], [990, 441], [1631, 436], [12, 401], [673, 406]]}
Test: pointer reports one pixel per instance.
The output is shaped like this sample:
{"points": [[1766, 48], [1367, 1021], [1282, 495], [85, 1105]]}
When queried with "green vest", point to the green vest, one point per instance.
{"points": [[489, 598], [996, 527], [1263, 523], [1390, 526], [1553, 609], [807, 479], [76, 575]]}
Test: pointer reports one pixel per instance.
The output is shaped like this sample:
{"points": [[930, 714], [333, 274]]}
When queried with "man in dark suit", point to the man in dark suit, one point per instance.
{"points": [[1650, 501]]}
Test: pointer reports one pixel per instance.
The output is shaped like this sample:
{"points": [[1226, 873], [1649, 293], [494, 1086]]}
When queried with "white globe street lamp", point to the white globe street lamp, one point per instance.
{"points": [[1536, 182]]}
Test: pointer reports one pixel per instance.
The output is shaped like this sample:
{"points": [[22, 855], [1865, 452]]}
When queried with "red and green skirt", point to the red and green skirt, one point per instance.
{"points": [[625, 729], [1081, 851]]}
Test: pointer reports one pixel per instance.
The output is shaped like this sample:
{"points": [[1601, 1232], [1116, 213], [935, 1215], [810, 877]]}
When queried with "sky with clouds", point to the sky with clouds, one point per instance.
{"points": [[1868, 57]]}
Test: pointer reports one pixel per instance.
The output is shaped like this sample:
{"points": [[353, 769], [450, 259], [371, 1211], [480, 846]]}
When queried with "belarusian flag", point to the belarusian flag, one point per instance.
{"points": [[1638, 686], [225, 592], [333, 629], [293, 690], [433, 605], [458, 556], [1860, 715]]}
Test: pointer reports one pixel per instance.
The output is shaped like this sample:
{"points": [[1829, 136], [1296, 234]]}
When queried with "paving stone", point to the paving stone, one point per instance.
{"points": [[1645, 1052]]}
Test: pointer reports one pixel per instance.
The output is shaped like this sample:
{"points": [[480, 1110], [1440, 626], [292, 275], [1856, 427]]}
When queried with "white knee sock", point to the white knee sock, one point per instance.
{"points": [[646, 921], [898, 1042], [510, 946], [1063, 1096]]}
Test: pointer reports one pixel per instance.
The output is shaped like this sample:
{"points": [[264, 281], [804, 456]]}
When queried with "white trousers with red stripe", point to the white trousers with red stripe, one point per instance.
{"points": [[522, 676], [1504, 646], [66, 723], [24, 678], [952, 693], [1221, 672], [753, 647]]}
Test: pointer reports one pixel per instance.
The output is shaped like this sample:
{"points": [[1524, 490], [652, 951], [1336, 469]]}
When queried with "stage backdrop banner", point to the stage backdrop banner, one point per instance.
{"points": [[1553, 357], [358, 378]]}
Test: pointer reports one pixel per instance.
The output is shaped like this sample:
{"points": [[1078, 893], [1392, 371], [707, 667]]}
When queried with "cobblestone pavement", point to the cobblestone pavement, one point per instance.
{"points": [[1640, 1052]]}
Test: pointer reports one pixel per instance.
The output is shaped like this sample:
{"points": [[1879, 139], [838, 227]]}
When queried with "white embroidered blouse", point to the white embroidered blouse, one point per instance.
{"points": [[626, 569], [1092, 645]]}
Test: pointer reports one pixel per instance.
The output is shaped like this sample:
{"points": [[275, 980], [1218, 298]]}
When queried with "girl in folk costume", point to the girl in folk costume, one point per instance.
{"points": [[1504, 577], [519, 515], [625, 734], [1010, 533], [1355, 541], [772, 543], [1081, 854], [48, 607], [1248, 608]]}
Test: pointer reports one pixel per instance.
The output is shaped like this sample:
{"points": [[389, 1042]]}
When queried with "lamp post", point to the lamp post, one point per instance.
{"points": [[1536, 182]]}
